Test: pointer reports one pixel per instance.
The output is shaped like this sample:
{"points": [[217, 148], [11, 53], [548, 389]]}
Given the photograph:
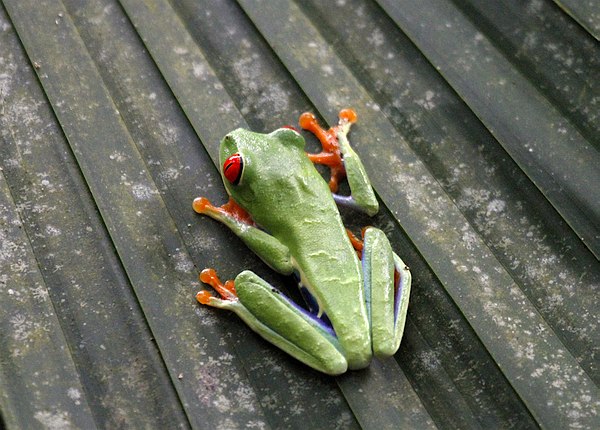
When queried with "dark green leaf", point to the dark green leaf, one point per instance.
{"points": [[478, 123]]}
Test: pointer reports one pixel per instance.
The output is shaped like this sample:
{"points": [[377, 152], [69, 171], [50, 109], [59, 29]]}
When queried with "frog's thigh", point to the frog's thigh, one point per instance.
{"points": [[278, 320], [387, 300]]}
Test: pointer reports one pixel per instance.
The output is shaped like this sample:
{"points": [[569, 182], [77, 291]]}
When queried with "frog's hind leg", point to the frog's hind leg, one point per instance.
{"points": [[387, 282], [277, 319], [343, 162]]}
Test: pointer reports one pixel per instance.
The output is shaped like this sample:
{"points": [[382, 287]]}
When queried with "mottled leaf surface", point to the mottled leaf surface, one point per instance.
{"points": [[478, 124]]}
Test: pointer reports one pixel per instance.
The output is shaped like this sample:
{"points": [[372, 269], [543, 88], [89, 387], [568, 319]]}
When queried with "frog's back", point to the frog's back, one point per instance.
{"points": [[327, 263]]}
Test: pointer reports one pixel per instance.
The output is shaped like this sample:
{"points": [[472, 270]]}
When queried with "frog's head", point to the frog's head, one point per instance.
{"points": [[255, 166]]}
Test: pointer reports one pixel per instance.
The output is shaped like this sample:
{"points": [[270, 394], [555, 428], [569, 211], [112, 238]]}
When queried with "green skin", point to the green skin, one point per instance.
{"points": [[288, 198]]}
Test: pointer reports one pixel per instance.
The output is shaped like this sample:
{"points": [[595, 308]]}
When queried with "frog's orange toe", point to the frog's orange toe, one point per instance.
{"points": [[209, 276], [204, 297], [348, 115], [201, 205], [308, 120]]}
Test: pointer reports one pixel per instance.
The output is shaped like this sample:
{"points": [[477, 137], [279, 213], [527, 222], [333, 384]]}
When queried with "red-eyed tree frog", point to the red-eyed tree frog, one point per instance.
{"points": [[356, 290]]}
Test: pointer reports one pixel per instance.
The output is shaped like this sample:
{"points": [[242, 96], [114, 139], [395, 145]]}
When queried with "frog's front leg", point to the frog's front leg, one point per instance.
{"points": [[339, 156], [269, 249], [387, 282], [277, 319]]}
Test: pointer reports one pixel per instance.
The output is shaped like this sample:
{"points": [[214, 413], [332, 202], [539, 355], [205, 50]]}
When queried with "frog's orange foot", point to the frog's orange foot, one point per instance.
{"points": [[226, 290], [330, 156], [230, 210]]}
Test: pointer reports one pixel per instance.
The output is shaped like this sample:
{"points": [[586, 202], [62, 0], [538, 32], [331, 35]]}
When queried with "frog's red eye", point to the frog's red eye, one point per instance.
{"points": [[232, 168]]}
